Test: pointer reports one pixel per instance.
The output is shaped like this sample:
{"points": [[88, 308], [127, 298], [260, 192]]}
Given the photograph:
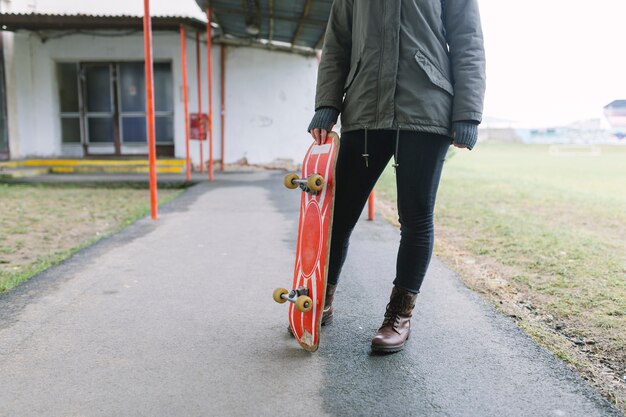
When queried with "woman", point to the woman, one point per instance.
{"points": [[408, 77]]}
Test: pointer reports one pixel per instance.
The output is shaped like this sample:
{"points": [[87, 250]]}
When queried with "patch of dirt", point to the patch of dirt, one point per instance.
{"points": [[586, 353]]}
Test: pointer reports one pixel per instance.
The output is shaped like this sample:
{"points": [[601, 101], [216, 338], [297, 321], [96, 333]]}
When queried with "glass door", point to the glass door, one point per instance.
{"points": [[132, 103], [99, 110]]}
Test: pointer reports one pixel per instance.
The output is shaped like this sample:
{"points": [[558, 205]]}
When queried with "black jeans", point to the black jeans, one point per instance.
{"points": [[420, 161]]}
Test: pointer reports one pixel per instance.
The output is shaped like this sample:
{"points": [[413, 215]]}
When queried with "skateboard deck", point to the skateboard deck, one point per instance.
{"points": [[307, 294]]}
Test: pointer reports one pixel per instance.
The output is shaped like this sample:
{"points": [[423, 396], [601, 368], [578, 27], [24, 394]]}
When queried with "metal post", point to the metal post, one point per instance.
{"points": [[209, 46], [147, 43], [370, 206], [199, 95], [223, 99], [183, 53]]}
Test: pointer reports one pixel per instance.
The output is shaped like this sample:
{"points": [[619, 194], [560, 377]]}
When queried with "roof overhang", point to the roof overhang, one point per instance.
{"points": [[294, 25], [41, 22]]}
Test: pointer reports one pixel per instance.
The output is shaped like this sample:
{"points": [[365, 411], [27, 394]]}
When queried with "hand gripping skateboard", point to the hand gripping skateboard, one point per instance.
{"points": [[306, 297]]}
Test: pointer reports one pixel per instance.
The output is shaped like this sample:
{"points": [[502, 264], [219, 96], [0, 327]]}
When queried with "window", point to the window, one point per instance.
{"points": [[104, 103], [133, 103]]}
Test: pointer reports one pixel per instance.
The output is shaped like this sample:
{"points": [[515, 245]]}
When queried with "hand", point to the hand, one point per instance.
{"points": [[323, 121], [457, 145], [464, 134], [319, 135], [460, 145]]}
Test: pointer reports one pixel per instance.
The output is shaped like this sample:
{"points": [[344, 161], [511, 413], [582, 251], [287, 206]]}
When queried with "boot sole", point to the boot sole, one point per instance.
{"points": [[391, 349], [387, 349]]}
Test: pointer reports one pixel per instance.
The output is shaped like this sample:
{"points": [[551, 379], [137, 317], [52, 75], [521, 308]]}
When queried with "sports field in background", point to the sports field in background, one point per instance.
{"points": [[541, 231]]}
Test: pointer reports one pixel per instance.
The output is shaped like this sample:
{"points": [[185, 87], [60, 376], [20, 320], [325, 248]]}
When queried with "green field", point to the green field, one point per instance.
{"points": [[525, 224]]}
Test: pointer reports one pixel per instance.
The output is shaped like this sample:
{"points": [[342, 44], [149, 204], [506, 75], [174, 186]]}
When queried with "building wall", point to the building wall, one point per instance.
{"points": [[269, 95], [270, 98], [11, 95]]}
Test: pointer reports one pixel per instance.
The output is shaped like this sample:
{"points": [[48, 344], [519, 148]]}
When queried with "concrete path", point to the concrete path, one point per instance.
{"points": [[175, 318]]}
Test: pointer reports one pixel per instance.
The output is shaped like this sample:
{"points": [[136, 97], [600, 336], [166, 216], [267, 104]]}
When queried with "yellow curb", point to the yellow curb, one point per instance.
{"points": [[88, 162], [113, 170]]}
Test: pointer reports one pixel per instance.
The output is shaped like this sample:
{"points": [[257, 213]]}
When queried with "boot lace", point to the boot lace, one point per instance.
{"points": [[392, 315]]}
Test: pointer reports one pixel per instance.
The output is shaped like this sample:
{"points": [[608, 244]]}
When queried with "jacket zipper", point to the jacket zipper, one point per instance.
{"points": [[380, 62]]}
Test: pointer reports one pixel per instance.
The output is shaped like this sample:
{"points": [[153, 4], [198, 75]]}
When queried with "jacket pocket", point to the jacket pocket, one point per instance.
{"points": [[434, 73], [351, 75]]}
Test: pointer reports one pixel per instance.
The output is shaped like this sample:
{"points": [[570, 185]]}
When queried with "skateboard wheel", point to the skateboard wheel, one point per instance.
{"points": [[278, 293], [315, 182], [289, 181], [304, 304]]}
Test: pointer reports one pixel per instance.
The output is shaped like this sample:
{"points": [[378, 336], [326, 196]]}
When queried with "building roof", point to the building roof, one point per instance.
{"points": [[37, 21], [109, 14], [295, 24], [159, 8]]}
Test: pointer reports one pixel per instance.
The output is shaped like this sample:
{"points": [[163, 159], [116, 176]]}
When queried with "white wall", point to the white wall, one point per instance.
{"points": [[13, 123], [269, 95], [269, 104]]}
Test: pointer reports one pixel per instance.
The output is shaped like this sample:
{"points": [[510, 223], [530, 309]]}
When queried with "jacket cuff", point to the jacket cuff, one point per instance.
{"points": [[336, 104], [323, 118], [467, 115]]}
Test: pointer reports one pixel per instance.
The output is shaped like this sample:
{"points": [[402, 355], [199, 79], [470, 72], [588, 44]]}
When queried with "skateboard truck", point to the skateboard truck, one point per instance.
{"points": [[300, 297], [312, 184]]}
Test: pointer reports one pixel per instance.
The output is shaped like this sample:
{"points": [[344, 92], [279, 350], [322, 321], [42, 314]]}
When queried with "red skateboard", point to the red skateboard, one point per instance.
{"points": [[314, 225]]}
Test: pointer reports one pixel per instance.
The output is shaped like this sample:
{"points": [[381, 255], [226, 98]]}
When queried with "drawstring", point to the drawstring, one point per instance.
{"points": [[395, 155], [365, 154]]}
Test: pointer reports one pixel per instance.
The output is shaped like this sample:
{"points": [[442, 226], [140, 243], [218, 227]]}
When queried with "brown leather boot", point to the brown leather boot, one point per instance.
{"points": [[396, 326], [327, 314]]}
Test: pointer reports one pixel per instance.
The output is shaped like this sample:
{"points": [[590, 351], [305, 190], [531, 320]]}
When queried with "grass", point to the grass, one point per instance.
{"points": [[528, 227], [41, 225]]}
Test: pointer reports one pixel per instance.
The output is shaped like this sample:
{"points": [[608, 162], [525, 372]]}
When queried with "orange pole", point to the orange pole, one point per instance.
{"points": [[209, 47], [199, 94], [370, 206], [147, 44], [183, 53], [201, 157], [222, 98]]}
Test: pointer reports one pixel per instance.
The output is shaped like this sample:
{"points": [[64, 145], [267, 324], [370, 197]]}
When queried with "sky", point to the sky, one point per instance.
{"points": [[553, 62], [549, 62]]}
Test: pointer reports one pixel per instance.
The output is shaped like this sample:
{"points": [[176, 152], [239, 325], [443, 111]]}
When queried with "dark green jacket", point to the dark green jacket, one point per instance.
{"points": [[408, 64]]}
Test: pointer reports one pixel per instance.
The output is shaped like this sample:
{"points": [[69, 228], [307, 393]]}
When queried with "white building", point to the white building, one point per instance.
{"points": [[74, 81], [615, 117]]}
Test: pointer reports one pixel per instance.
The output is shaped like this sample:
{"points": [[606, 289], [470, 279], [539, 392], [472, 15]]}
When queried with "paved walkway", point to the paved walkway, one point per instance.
{"points": [[175, 318]]}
